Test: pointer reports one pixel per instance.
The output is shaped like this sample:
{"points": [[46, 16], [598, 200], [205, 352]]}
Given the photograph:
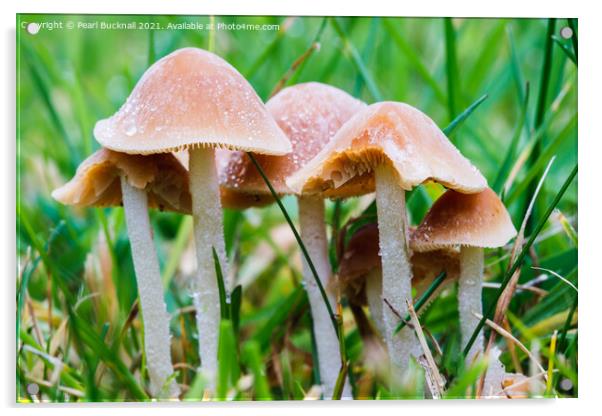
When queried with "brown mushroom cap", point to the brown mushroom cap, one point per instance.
{"points": [[393, 133], [361, 256], [97, 181], [309, 114], [475, 220], [191, 98]]}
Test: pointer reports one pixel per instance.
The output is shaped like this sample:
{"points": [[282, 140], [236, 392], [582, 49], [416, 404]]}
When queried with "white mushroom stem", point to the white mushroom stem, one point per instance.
{"points": [[396, 267], [150, 289], [374, 292], [313, 234], [470, 286], [208, 234]]}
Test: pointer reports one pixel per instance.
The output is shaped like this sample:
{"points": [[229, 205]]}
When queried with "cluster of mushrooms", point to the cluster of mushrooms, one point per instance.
{"points": [[313, 141]]}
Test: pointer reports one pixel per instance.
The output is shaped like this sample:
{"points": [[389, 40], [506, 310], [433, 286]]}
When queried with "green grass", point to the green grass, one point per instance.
{"points": [[505, 92]]}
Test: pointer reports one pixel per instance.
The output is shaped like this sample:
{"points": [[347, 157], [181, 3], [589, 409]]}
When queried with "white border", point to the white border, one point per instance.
{"points": [[590, 34]]}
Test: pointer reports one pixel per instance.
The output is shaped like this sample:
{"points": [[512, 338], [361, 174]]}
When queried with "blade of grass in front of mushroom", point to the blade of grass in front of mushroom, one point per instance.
{"points": [[350, 49], [433, 372], [423, 299], [520, 258], [451, 68], [299, 241], [340, 384], [223, 302], [227, 361]]}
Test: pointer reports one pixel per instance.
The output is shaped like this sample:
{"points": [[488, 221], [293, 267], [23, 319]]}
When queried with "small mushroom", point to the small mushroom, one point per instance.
{"points": [[389, 148], [194, 100], [360, 271], [473, 222], [310, 114], [108, 178]]}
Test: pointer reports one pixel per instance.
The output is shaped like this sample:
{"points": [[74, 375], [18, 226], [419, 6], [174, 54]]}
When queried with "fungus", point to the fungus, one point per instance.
{"points": [[108, 178], [473, 222], [389, 148], [194, 100], [309, 114]]}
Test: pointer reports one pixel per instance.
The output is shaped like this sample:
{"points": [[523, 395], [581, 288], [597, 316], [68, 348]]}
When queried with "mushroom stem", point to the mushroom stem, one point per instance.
{"points": [[313, 234], [470, 286], [396, 267], [152, 304], [374, 291], [208, 234]]}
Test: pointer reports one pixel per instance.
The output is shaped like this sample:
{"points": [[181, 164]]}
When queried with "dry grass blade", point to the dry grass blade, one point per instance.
{"points": [[508, 335], [432, 372], [553, 273], [527, 380], [294, 66], [504, 300]]}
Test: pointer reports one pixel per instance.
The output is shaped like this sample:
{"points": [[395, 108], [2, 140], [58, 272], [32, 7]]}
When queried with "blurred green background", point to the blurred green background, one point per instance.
{"points": [[76, 287]]}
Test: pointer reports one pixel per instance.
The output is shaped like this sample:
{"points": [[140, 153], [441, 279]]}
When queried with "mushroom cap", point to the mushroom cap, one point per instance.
{"points": [[386, 133], [191, 98], [309, 114], [474, 220], [361, 256], [97, 181]]}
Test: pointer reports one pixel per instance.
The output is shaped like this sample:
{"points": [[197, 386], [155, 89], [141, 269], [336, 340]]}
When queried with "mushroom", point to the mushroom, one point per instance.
{"points": [[473, 222], [309, 114], [360, 271], [108, 178], [194, 100], [389, 148]]}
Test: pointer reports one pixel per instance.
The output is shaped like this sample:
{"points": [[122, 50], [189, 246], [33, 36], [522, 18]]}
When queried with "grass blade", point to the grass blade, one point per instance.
{"points": [[223, 303], [423, 300], [521, 258], [541, 162], [252, 354], [573, 25], [316, 41], [340, 383], [468, 378], [226, 366], [350, 49], [456, 122], [542, 99], [414, 59], [151, 47], [299, 241], [565, 48], [235, 302], [507, 163], [451, 67]]}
